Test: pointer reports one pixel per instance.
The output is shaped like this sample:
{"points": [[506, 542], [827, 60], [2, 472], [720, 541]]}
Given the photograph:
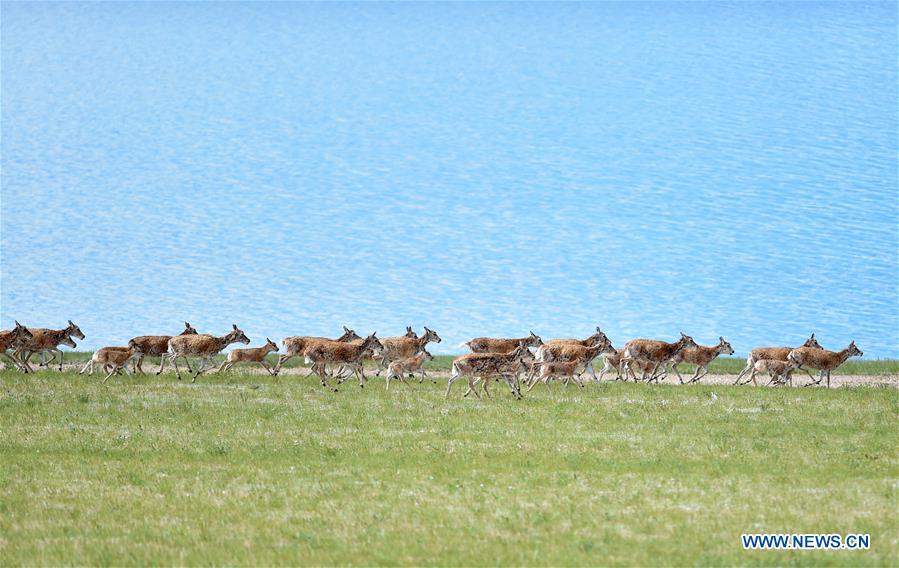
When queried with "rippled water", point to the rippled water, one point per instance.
{"points": [[722, 169]]}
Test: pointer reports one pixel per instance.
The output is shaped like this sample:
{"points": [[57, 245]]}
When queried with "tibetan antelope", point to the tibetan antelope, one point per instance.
{"points": [[14, 339], [399, 368], [113, 359], [203, 346], [576, 352], [581, 357], [776, 353], [546, 371], [657, 352], [701, 356], [483, 366], [491, 345], [396, 348], [611, 360], [597, 338], [507, 372], [344, 354], [297, 344], [156, 346], [252, 355], [823, 360], [48, 341], [780, 372]]}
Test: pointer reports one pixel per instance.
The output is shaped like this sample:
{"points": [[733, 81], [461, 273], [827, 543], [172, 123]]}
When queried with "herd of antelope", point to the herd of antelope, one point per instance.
{"points": [[515, 361]]}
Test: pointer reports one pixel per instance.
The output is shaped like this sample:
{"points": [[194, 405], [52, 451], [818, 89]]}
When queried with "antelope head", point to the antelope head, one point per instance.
{"points": [[237, 335], [533, 340], [854, 351], [812, 342], [431, 335], [74, 330], [189, 330], [271, 345], [371, 342], [21, 333], [427, 355], [724, 347], [410, 333], [598, 338], [348, 335], [685, 342]]}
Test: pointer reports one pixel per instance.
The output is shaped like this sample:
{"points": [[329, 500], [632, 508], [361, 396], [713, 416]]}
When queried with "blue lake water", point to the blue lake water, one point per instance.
{"points": [[484, 169]]}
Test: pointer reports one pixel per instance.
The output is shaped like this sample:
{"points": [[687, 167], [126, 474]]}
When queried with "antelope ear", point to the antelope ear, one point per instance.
{"points": [[269, 340], [234, 326], [721, 338], [346, 329], [17, 323], [598, 330], [70, 322], [186, 324], [812, 337]]}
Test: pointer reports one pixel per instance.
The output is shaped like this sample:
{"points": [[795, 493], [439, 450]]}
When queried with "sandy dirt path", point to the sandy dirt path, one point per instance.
{"points": [[799, 380]]}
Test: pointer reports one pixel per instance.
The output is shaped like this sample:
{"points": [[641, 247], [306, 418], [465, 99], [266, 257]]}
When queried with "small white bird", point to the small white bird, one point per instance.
{"points": [[714, 396]]}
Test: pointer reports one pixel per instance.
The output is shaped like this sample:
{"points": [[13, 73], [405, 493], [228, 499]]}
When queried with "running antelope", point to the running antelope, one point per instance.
{"points": [[510, 372], [701, 356], [611, 360], [156, 346], [567, 370], [483, 366], [576, 352], [396, 348], [823, 360], [410, 365], [203, 346], [565, 360], [780, 372], [48, 341], [776, 353], [297, 344], [597, 338], [644, 366], [252, 355], [113, 359], [657, 352], [491, 345], [14, 339], [345, 354]]}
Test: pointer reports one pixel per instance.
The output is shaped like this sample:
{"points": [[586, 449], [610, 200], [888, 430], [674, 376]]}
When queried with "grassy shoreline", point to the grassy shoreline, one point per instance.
{"points": [[721, 366]]}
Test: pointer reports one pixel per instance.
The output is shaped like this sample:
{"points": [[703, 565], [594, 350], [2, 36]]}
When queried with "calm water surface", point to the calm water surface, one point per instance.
{"points": [[722, 169]]}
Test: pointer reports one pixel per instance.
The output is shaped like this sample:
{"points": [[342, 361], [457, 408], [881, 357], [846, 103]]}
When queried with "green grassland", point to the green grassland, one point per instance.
{"points": [[253, 469]]}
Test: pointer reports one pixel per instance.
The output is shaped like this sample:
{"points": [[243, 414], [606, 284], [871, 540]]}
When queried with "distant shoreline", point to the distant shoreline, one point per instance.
{"points": [[721, 366]]}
